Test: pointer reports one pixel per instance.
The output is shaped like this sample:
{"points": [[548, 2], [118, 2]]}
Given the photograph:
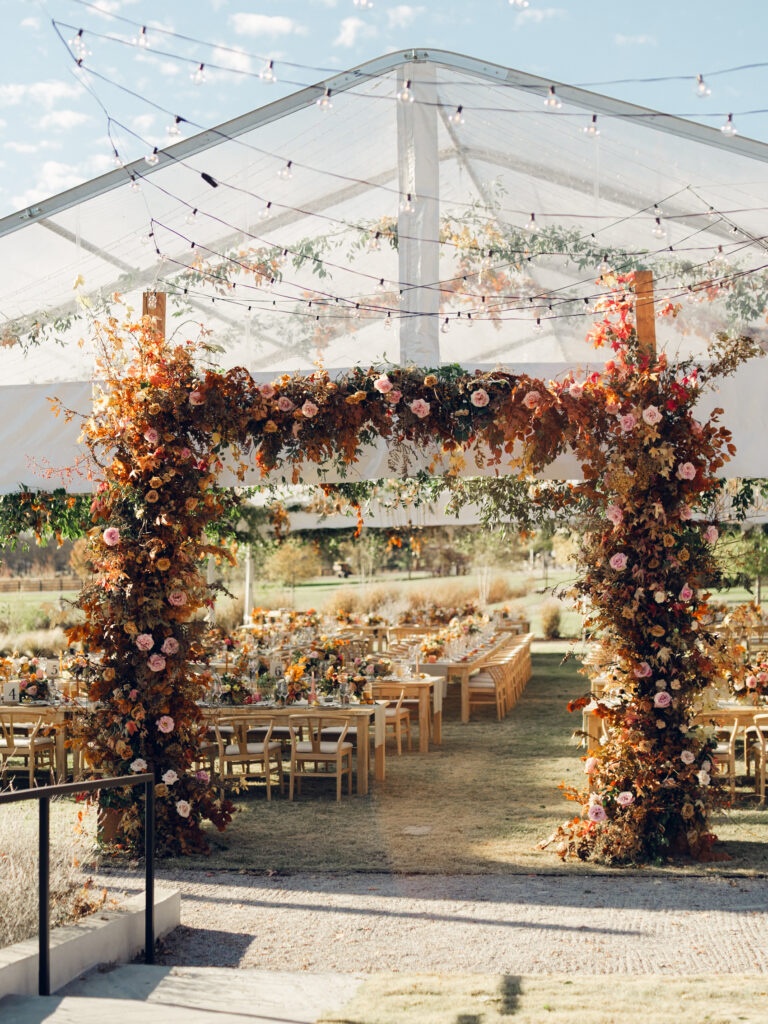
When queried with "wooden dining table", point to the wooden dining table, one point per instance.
{"points": [[460, 671], [364, 716], [429, 693], [55, 718]]}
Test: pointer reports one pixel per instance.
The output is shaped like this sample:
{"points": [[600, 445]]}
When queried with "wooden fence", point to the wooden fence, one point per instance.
{"points": [[45, 583]]}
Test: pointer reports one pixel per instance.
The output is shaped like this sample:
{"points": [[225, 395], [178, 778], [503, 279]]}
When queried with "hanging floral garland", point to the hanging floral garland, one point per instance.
{"points": [[160, 432]]}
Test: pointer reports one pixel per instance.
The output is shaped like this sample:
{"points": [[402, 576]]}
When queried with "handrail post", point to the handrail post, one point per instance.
{"points": [[149, 882], [44, 911]]}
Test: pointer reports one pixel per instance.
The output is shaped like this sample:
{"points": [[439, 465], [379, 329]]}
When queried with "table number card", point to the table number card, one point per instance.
{"points": [[11, 693]]}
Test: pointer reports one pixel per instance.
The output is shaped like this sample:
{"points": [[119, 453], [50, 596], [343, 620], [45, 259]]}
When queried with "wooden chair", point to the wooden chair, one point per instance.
{"points": [[724, 754], [237, 749], [395, 718], [22, 740], [488, 687], [335, 754], [759, 751]]}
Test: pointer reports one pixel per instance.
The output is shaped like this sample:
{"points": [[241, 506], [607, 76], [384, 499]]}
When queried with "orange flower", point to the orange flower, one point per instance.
{"points": [[151, 497], [155, 482], [190, 504], [163, 564], [270, 427]]}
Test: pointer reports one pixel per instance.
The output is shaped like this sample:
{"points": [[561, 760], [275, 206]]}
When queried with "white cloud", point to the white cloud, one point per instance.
{"points": [[62, 120], [234, 58], [21, 147], [351, 29], [621, 40], [30, 23], [535, 16], [143, 123], [54, 177], [402, 15], [44, 93], [265, 25]]}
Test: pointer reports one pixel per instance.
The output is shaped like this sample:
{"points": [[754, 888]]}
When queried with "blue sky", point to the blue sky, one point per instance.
{"points": [[53, 133]]}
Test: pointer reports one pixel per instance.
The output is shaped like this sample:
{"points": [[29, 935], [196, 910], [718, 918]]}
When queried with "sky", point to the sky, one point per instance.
{"points": [[53, 130]]}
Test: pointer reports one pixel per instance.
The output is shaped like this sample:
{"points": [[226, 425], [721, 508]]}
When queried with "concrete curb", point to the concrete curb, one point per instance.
{"points": [[111, 936]]}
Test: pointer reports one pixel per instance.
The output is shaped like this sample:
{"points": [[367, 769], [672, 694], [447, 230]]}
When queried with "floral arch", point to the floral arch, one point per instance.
{"points": [[163, 427]]}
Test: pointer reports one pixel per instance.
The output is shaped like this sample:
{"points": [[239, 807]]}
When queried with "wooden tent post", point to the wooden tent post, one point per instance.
{"points": [[645, 313], [153, 304]]}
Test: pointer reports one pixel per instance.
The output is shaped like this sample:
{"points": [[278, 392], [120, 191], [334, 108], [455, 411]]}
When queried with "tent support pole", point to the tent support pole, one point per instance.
{"points": [[153, 304], [419, 228], [645, 313]]}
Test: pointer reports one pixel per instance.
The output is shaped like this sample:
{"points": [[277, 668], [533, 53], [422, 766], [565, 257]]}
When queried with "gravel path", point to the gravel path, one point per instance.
{"points": [[468, 923]]}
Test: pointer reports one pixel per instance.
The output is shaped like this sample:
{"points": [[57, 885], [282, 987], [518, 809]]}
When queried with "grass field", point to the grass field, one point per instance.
{"points": [[478, 804]]}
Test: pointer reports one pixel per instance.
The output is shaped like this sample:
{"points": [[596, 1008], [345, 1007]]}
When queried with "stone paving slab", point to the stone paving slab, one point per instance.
{"points": [[467, 923]]}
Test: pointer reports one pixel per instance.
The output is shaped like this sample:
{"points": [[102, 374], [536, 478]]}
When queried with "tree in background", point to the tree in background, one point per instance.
{"points": [[744, 558], [292, 562]]}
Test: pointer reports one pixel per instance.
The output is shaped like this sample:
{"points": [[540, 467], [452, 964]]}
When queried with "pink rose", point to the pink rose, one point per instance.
{"points": [[591, 765], [751, 682], [762, 678], [156, 662], [133, 694], [480, 398], [185, 453], [419, 408], [625, 798], [177, 598], [266, 390], [151, 436], [165, 724], [642, 671], [662, 699], [651, 415], [202, 776], [394, 396], [696, 428], [686, 593], [383, 384], [576, 390], [196, 397], [111, 536], [711, 534], [309, 409], [628, 422], [614, 515], [169, 777], [687, 757], [183, 808], [618, 561], [686, 471], [685, 513], [532, 399], [145, 641], [170, 645], [284, 404], [597, 813]]}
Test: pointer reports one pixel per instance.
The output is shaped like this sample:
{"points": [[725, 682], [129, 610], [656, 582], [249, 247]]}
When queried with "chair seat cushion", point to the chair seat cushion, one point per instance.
{"points": [[394, 713], [304, 747], [23, 741], [481, 684], [251, 748]]}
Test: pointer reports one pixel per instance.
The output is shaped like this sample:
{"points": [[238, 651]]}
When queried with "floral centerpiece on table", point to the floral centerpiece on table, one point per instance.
{"points": [[34, 684], [751, 683], [295, 677], [374, 666]]}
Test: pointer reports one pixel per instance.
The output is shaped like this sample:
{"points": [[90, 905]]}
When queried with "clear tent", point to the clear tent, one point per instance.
{"points": [[286, 266]]}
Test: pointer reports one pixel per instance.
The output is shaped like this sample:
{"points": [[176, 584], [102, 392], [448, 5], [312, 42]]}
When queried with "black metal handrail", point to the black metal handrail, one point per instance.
{"points": [[43, 794]]}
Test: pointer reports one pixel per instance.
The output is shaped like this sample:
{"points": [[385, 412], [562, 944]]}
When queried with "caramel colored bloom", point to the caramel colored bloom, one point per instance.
{"points": [[151, 497], [430, 380], [270, 427], [153, 409], [109, 674], [156, 482], [161, 789], [190, 504], [163, 564], [131, 628]]}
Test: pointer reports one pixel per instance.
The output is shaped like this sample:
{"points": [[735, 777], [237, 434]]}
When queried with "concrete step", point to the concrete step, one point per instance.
{"points": [[81, 1010]]}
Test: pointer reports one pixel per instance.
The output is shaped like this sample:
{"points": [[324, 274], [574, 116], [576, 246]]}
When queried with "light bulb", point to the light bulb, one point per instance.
{"points": [[198, 75], [656, 211], [141, 39], [265, 211], [406, 205], [711, 213], [146, 239], [591, 128], [445, 327], [356, 314], [734, 230], [135, 184], [405, 95], [117, 159], [658, 228], [381, 286], [79, 47], [373, 243], [152, 158], [603, 268], [537, 326], [702, 89], [286, 172], [718, 257], [457, 117], [729, 128], [267, 73], [532, 225], [470, 321], [388, 322], [552, 99], [173, 129], [324, 101], [191, 216]]}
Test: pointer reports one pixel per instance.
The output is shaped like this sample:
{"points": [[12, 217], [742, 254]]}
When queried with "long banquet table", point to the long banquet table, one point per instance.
{"points": [[364, 716], [428, 692], [55, 717]]}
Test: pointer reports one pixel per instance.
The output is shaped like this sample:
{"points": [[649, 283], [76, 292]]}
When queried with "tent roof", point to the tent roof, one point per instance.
{"points": [[511, 156]]}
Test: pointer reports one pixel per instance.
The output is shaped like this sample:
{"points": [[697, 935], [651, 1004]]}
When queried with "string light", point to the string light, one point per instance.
{"points": [[198, 75], [532, 225], [173, 128], [324, 101], [141, 39], [286, 172], [267, 73], [591, 128], [446, 326], [457, 117], [729, 128], [388, 322], [552, 99], [658, 228], [134, 184], [152, 158], [265, 211], [406, 205], [406, 95], [537, 326], [78, 46], [702, 89], [470, 321], [191, 217]]}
